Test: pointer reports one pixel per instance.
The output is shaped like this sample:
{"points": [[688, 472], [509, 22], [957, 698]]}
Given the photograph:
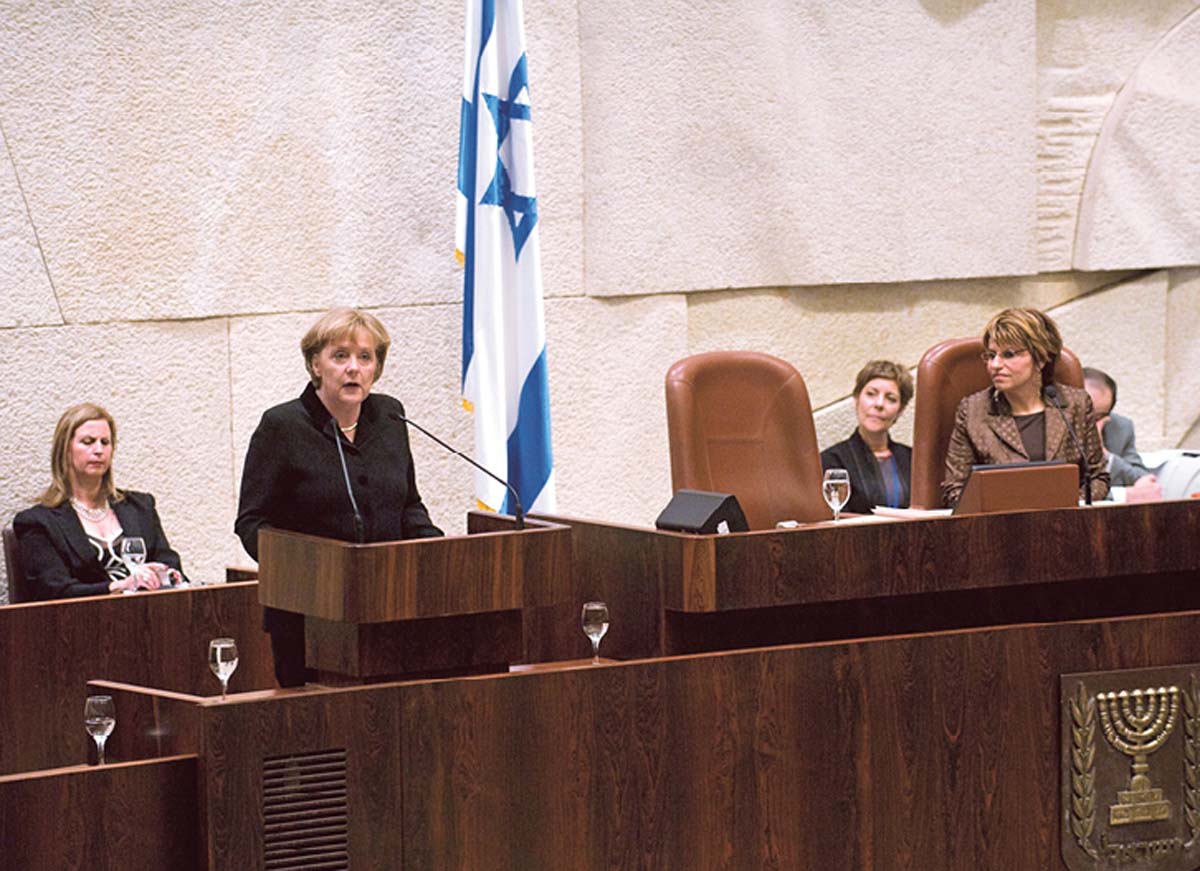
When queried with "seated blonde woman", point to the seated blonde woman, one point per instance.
{"points": [[71, 540]]}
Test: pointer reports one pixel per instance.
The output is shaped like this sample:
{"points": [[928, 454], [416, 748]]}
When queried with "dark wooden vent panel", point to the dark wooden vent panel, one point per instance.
{"points": [[306, 826]]}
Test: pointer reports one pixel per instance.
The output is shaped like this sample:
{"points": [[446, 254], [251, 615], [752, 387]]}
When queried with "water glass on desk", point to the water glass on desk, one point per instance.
{"points": [[223, 660], [595, 624], [99, 718], [836, 490]]}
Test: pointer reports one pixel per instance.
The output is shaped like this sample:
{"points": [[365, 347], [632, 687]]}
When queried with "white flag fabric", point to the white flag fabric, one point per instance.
{"points": [[504, 376]]}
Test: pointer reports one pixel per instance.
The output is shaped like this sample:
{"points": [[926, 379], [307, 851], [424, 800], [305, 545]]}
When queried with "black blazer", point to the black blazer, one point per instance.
{"points": [[60, 562], [293, 480], [293, 476], [866, 479]]}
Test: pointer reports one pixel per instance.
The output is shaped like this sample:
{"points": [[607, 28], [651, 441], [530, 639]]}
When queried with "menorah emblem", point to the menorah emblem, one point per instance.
{"points": [[1137, 723]]}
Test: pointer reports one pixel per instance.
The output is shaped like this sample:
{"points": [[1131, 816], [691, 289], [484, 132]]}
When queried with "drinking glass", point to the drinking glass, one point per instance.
{"points": [[133, 553], [100, 718], [595, 624], [223, 660], [836, 490]]}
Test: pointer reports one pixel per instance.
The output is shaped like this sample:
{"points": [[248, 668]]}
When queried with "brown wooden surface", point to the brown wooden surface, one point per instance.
{"points": [[118, 817], [935, 752], [351, 653], [413, 579], [675, 593], [1019, 488], [51, 650]]}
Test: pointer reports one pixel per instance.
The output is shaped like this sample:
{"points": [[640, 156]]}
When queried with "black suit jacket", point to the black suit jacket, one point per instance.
{"points": [[293, 478], [866, 478], [60, 562]]}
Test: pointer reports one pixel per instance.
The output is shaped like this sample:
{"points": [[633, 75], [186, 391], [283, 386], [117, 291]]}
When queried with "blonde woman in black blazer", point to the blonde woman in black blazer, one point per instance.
{"points": [[70, 541]]}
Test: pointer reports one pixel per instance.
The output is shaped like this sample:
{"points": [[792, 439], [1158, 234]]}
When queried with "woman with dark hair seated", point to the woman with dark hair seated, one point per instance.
{"points": [[1009, 422], [71, 540], [880, 469]]}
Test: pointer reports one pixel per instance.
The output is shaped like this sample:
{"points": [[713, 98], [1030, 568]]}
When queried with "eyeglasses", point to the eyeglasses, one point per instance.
{"points": [[1007, 355]]}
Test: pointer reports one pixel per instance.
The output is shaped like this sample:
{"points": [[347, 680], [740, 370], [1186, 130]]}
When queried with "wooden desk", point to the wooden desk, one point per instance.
{"points": [[51, 649], [937, 751], [121, 816], [672, 593]]}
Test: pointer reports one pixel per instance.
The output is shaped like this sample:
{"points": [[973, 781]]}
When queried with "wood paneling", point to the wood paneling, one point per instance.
{"points": [[415, 579], [354, 653], [671, 593], [110, 818], [240, 734], [51, 650], [935, 752]]}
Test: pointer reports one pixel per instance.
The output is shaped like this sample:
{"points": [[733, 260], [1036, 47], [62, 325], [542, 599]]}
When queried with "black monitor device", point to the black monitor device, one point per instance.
{"points": [[701, 512]]}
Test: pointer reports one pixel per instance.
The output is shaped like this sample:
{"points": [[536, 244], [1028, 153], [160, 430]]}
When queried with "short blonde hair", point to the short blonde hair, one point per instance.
{"points": [[337, 324], [1029, 330], [892, 372], [72, 419]]}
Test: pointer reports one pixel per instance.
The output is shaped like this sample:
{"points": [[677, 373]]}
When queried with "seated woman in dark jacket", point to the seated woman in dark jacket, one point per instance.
{"points": [[880, 469], [71, 540]]}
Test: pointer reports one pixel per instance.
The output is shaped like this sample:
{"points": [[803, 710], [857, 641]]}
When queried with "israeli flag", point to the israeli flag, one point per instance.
{"points": [[504, 377]]}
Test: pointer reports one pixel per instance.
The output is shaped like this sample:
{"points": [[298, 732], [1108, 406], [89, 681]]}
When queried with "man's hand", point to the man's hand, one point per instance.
{"points": [[1144, 489]]}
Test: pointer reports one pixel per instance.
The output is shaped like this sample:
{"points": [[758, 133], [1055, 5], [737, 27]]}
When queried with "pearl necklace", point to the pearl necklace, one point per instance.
{"points": [[349, 429], [91, 515]]}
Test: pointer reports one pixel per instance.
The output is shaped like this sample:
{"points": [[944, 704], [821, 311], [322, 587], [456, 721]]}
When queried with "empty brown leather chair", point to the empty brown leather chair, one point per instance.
{"points": [[740, 422], [947, 372], [18, 586]]}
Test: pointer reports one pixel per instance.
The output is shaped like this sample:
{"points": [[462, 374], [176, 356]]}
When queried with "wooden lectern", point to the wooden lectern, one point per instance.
{"points": [[1019, 487], [421, 607]]}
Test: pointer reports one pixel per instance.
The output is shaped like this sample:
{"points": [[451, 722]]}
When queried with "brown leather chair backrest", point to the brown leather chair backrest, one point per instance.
{"points": [[17, 584], [949, 371], [740, 422]]}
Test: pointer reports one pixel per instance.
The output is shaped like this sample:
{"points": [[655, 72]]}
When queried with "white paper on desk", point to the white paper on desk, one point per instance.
{"points": [[910, 513]]}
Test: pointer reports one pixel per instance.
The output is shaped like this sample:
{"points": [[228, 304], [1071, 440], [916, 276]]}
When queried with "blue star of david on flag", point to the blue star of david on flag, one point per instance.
{"points": [[500, 192]]}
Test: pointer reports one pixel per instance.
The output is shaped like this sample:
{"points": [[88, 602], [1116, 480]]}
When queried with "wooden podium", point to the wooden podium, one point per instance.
{"points": [[421, 607]]}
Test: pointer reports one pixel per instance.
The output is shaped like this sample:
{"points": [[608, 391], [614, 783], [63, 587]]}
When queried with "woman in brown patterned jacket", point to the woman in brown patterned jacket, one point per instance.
{"points": [[1014, 420]]}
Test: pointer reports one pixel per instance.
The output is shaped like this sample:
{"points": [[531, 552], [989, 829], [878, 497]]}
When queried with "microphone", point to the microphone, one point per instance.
{"points": [[360, 529], [518, 514], [1051, 393]]}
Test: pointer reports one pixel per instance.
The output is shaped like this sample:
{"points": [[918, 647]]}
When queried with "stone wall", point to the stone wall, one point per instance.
{"points": [[184, 186]]}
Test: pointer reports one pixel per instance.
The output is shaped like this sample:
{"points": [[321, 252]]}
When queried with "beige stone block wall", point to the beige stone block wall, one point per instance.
{"points": [[774, 143], [194, 159], [1122, 330], [608, 365], [1181, 424], [828, 332], [1139, 205], [185, 186], [1086, 51], [166, 385]]}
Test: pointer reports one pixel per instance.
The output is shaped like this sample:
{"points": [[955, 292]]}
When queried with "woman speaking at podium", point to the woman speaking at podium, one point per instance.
{"points": [[1015, 420], [335, 462]]}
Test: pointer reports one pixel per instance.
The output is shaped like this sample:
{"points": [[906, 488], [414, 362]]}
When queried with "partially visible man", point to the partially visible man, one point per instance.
{"points": [[1125, 464]]}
